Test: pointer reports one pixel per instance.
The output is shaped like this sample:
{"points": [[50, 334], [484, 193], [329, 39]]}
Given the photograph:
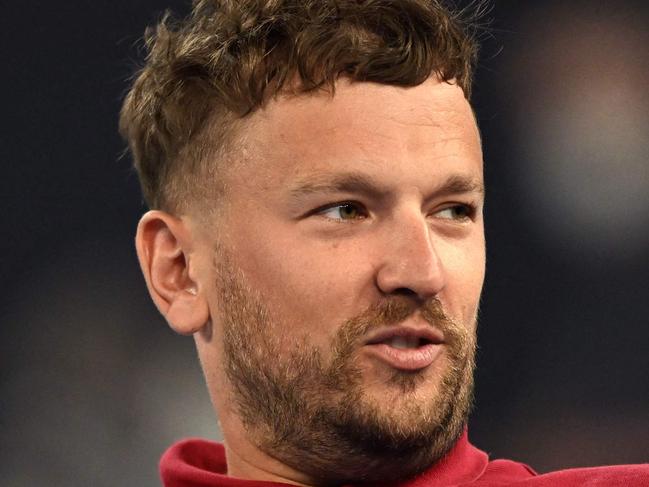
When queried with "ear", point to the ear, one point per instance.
{"points": [[164, 249]]}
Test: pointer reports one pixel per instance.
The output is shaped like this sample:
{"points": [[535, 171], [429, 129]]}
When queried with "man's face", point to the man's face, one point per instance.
{"points": [[347, 269]]}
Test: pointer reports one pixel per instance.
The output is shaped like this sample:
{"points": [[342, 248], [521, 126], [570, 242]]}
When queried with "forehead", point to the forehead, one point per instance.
{"points": [[367, 127]]}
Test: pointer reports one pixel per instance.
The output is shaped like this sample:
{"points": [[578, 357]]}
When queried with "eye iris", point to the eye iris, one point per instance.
{"points": [[460, 212], [348, 211]]}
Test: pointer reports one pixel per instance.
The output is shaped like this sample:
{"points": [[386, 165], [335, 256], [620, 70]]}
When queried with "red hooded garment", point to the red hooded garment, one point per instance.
{"points": [[200, 463]]}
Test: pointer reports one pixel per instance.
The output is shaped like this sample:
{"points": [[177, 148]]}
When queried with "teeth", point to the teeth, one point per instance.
{"points": [[404, 342]]}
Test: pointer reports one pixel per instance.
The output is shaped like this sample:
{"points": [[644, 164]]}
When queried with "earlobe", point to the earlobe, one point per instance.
{"points": [[164, 249]]}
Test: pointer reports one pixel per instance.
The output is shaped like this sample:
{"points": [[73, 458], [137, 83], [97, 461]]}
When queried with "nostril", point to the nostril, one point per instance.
{"points": [[404, 291]]}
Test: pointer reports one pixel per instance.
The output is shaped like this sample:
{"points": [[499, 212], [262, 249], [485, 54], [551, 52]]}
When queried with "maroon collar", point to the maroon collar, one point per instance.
{"points": [[201, 463]]}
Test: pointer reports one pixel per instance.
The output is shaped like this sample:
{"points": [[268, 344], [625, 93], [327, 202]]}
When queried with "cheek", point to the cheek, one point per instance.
{"points": [[313, 287], [465, 272]]}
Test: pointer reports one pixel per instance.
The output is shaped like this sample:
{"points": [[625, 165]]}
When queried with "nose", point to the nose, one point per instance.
{"points": [[410, 264]]}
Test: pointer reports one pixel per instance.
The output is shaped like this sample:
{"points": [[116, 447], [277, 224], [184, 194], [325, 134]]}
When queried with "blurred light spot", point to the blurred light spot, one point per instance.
{"points": [[584, 132]]}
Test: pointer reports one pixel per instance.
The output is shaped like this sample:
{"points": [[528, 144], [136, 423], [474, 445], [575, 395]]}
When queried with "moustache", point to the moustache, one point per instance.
{"points": [[394, 311]]}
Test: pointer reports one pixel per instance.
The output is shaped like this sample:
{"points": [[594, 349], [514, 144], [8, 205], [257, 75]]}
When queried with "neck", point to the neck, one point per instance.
{"points": [[259, 466], [246, 461]]}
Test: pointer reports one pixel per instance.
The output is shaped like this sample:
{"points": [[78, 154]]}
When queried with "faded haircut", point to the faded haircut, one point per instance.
{"points": [[206, 73]]}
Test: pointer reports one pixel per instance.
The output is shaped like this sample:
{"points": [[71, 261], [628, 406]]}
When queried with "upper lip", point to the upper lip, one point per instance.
{"points": [[425, 332]]}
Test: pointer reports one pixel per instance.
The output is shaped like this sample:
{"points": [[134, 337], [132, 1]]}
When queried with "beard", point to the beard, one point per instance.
{"points": [[315, 415]]}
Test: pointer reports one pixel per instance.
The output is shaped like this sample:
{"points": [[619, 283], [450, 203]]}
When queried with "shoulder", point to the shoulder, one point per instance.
{"points": [[502, 473]]}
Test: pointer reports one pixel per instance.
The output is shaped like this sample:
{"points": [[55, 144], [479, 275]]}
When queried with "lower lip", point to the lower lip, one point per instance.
{"points": [[406, 358]]}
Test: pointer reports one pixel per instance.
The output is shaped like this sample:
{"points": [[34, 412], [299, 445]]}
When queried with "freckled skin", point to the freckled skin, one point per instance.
{"points": [[313, 272]]}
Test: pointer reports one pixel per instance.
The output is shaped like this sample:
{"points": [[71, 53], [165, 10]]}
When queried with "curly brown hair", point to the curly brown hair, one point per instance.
{"points": [[228, 57]]}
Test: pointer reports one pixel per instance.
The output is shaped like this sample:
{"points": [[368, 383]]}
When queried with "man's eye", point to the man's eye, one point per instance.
{"points": [[343, 211], [457, 212]]}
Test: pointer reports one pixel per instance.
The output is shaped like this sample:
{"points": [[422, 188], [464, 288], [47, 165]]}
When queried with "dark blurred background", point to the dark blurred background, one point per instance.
{"points": [[94, 386]]}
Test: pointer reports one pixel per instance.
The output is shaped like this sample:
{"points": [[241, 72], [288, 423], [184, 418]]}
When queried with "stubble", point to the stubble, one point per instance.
{"points": [[315, 416]]}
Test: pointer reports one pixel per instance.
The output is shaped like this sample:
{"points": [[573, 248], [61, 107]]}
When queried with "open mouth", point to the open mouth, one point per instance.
{"points": [[406, 342], [406, 348]]}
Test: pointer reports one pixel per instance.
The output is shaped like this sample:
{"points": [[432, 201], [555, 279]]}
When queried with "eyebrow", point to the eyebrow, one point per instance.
{"points": [[457, 183], [349, 182], [352, 182]]}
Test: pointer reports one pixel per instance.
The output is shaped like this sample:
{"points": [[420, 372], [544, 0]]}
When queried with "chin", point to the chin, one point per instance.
{"points": [[388, 383]]}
